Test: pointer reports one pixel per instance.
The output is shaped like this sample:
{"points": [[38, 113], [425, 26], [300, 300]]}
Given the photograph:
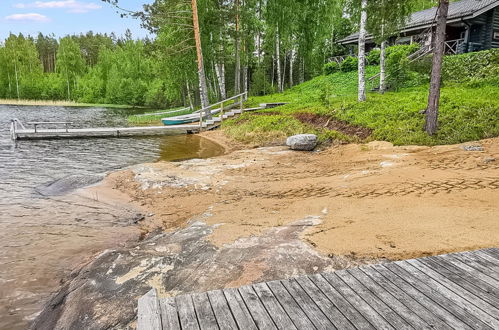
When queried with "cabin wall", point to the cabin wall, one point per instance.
{"points": [[495, 29]]}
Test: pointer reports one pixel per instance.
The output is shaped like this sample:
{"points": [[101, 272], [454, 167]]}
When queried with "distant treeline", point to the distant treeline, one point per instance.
{"points": [[256, 46]]}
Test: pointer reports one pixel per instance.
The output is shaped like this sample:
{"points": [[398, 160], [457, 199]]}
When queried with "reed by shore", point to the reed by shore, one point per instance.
{"points": [[60, 103]]}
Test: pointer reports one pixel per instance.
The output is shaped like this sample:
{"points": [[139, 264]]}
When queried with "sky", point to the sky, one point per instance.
{"points": [[63, 17]]}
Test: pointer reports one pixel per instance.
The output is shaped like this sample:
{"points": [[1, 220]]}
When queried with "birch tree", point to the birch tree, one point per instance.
{"points": [[362, 51]]}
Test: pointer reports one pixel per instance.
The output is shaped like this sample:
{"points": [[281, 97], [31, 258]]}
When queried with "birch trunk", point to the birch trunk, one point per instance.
{"points": [[431, 124], [362, 52], [278, 62], [220, 70], [291, 60], [17, 81], [283, 79], [382, 68], [237, 70], [189, 95], [203, 89]]}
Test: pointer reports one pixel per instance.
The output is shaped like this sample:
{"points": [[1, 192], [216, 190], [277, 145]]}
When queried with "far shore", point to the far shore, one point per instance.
{"points": [[61, 103]]}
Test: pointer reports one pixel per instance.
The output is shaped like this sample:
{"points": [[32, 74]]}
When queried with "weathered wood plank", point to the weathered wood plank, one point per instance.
{"points": [[241, 314], [327, 307], [424, 311], [204, 312], [406, 283], [222, 310], [485, 291], [343, 305], [490, 267], [295, 313], [438, 293], [186, 312], [364, 308], [257, 310], [274, 309], [149, 314], [477, 306], [169, 316], [494, 252], [382, 293], [388, 314], [313, 312], [482, 275], [485, 260]]}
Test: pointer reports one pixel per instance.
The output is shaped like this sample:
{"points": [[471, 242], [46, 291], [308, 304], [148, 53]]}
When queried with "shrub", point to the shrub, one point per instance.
{"points": [[398, 67], [349, 64], [474, 67], [330, 68], [373, 58]]}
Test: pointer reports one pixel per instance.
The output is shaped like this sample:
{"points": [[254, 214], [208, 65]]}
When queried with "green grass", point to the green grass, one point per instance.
{"points": [[63, 104], [466, 113]]}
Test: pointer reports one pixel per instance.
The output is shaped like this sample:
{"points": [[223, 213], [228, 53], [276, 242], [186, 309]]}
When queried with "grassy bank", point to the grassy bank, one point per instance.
{"points": [[327, 106], [154, 117], [61, 104]]}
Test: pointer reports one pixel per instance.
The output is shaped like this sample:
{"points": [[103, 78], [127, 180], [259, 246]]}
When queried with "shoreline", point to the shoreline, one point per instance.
{"points": [[256, 214], [62, 103]]}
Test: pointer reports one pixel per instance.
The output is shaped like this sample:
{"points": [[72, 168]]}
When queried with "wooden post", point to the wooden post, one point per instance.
{"points": [[201, 121], [222, 111], [241, 105]]}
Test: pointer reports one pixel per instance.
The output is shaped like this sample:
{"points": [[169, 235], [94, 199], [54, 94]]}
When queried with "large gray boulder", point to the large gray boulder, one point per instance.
{"points": [[305, 142]]}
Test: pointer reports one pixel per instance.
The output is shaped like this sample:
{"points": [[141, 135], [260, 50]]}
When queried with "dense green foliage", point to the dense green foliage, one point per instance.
{"points": [[349, 64], [469, 107], [330, 68]]}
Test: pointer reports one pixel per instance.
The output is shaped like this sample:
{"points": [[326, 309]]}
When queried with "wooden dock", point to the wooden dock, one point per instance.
{"points": [[453, 291], [57, 133]]}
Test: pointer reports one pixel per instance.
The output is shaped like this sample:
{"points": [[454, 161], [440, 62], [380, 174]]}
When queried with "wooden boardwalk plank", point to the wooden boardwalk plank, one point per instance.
{"points": [[149, 314], [399, 292], [494, 252], [384, 295], [482, 275], [313, 312], [406, 284], [186, 313], [239, 310], [369, 313], [274, 308], [206, 317], [469, 282], [327, 307], [221, 310], [299, 318], [438, 293], [454, 291], [479, 307], [343, 305], [169, 316], [388, 314], [257, 310]]}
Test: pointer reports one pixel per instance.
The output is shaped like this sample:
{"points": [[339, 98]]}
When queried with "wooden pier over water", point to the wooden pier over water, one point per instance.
{"points": [[453, 291], [18, 130]]}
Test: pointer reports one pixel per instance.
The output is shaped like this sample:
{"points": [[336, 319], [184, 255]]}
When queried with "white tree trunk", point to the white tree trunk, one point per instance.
{"points": [[362, 52], [278, 62], [382, 68], [220, 70], [189, 96], [17, 81]]}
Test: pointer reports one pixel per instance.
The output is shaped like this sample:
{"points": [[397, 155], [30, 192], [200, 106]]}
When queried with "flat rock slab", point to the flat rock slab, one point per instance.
{"points": [[104, 293], [302, 142]]}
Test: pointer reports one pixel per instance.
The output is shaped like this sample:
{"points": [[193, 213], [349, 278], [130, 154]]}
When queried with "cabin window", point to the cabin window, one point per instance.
{"points": [[496, 35]]}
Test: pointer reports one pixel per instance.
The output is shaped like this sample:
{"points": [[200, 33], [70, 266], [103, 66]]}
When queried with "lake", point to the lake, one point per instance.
{"points": [[44, 236]]}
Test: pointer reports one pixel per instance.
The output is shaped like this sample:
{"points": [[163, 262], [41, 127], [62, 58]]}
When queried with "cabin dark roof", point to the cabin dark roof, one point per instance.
{"points": [[464, 9]]}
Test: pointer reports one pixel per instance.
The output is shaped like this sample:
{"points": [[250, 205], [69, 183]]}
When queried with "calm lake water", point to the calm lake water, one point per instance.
{"points": [[43, 238]]}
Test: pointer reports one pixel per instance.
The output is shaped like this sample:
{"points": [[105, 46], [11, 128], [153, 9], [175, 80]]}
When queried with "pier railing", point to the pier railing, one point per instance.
{"points": [[241, 97]]}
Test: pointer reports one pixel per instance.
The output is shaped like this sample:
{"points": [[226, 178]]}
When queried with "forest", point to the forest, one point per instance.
{"points": [[256, 46]]}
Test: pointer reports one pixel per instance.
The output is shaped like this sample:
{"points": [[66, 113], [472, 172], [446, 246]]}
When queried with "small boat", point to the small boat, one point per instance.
{"points": [[185, 119]]}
